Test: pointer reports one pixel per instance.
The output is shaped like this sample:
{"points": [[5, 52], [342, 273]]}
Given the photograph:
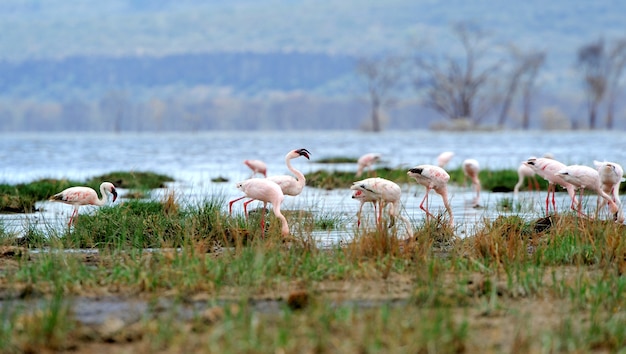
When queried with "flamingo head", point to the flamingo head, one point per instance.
{"points": [[109, 187], [303, 152]]}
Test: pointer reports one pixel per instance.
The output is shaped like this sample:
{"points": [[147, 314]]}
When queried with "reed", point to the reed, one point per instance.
{"points": [[549, 284]]}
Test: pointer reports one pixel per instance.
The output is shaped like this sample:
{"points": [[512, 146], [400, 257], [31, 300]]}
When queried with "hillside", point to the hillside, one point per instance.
{"points": [[59, 51]]}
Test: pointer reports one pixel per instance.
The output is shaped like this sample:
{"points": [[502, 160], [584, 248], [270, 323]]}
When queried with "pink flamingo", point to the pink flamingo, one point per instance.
{"points": [[266, 191], [432, 177], [547, 168], [585, 177], [79, 196], [611, 176], [257, 166], [383, 192], [444, 158], [290, 185], [365, 162], [524, 171], [471, 168]]}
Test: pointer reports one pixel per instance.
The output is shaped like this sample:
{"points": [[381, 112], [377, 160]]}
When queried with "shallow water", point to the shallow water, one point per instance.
{"points": [[194, 159]]}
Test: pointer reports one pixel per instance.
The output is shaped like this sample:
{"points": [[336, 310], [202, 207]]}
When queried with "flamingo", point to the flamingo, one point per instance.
{"points": [[79, 196], [257, 166], [585, 177], [432, 177], [471, 168], [524, 171], [611, 175], [365, 162], [547, 168], [290, 185], [383, 192], [266, 191], [444, 158]]}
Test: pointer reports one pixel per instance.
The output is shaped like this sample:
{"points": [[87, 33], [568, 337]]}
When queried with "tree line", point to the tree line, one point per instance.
{"points": [[480, 84]]}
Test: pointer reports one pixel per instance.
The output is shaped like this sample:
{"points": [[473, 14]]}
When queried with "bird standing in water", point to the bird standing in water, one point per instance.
{"points": [[611, 176], [266, 191], [585, 177], [471, 168], [524, 171], [257, 166], [79, 196], [444, 158], [436, 178], [548, 169], [365, 162], [382, 192], [288, 184]]}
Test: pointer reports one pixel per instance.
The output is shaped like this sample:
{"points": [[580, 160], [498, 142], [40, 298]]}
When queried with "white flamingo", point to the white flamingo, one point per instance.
{"points": [[290, 185], [382, 192], [79, 196], [436, 178]]}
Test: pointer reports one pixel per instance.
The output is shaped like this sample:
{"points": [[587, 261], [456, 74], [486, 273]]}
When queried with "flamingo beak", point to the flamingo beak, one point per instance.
{"points": [[114, 192], [305, 153]]}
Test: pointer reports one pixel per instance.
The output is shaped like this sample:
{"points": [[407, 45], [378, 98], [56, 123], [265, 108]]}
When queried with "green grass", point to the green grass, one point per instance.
{"points": [[535, 289]]}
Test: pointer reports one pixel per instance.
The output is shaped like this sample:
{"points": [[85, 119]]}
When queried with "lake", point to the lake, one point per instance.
{"points": [[194, 159]]}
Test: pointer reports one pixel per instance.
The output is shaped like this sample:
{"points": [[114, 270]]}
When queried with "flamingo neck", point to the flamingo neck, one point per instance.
{"points": [[285, 226], [104, 198], [299, 176]]}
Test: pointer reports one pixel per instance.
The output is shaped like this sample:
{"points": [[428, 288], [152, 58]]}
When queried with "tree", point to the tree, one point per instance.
{"points": [[116, 106], [382, 75], [456, 87], [617, 61], [593, 62], [524, 74]]}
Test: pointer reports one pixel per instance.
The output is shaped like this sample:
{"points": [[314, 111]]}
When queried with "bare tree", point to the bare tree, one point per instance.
{"points": [[382, 75], [456, 87], [617, 61], [524, 74], [592, 60], [115, 105]]}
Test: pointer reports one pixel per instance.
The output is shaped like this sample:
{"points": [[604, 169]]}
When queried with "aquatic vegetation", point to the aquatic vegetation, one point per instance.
{"points": [[210, 282]]}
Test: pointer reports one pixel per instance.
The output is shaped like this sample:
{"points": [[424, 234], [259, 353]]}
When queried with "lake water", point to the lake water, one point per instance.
{"points": [[194, 159]]}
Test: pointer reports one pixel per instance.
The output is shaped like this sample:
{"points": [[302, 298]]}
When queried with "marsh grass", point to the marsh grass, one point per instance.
{"points": [[21, 198], [491, 180], [433, 292]]}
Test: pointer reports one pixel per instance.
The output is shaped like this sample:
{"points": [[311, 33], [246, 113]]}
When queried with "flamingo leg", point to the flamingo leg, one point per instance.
{"points": [[245, 207], [72, 218], [358, 215], [263, 220], [380, 212], [425, 200], [230, 204]]}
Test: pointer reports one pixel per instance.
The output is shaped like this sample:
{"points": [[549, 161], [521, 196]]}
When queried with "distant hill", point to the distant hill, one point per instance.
{"points": [[56, 55], [246, 74]]}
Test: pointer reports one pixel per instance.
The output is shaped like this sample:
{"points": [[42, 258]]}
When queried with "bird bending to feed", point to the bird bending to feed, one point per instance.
{"points": [[266, 191], [432, 177], [79, 196], [290, 185], [611, 176], [381, 191], [524, 171], [585, 177], [471, 168], [257, 166], [444, 158], [548, 169], [365, 162]]}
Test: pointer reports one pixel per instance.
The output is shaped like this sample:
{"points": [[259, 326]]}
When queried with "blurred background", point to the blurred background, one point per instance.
{"points": [[198, 65]]}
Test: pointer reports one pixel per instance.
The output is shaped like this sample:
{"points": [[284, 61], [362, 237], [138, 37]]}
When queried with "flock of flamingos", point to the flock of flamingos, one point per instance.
{"points": [[603, 180]]}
